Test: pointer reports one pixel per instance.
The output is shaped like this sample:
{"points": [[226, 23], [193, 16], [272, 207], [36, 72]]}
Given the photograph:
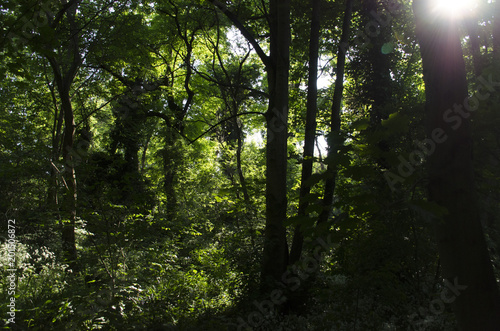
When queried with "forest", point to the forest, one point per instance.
{"points": [[250, 165]]}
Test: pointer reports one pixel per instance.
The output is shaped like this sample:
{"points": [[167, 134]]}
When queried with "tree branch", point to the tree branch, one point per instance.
{"points": [[97, 109], [244, 31], [215, 81], [61, 13], [225, 120], [167, 121]]}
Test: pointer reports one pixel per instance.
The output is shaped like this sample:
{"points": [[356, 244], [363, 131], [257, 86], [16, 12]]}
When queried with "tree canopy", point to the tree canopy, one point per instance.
{"points": [[250, 165]]}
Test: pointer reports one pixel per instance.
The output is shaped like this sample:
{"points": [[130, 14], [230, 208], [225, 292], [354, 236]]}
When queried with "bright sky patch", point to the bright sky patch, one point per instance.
{"points": [[455, 8]]}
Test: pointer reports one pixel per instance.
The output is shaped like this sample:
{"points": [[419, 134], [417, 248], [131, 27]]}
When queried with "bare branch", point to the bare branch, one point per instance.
{"points": [[244, 31], [167, 121], [225, 120]]}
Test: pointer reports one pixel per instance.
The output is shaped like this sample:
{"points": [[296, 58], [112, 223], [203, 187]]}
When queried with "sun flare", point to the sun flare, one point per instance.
{"points": [[455, 8]]}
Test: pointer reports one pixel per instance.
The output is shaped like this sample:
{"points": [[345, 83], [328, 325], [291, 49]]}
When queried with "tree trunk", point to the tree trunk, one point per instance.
{"points": [[334, 135], [310, 134], [461, 244], [69, 202], [65, 71], [474, 40], [380, 85], [275, 253], [241, 177], [52, 196], [170, 166]]}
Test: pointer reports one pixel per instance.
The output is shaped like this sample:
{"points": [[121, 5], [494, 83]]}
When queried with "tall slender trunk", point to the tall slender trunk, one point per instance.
{"points": [[461, 244], [145, 153], [241, 177], [170, 166], [275, 254], [65, 71], [310, 134], [473, 31], [69, 201], [380, 86], [334, 139], [52, 197]]}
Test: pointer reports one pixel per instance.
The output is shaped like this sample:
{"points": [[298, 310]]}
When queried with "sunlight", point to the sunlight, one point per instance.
{"points": [[455, 8]]}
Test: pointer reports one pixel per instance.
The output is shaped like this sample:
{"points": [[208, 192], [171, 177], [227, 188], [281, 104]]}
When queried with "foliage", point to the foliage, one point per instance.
{"points": [[168, 104]]}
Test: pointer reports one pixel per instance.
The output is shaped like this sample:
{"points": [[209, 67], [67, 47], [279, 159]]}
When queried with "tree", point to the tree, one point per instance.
{"points": [[65, 69], [310, 134], [275, 254], [182, 209], [460, 237], [334, 137]]}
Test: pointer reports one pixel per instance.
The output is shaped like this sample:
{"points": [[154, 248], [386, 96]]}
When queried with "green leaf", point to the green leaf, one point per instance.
{"points": [[315, 208], [360, 125], [396, 123]]}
